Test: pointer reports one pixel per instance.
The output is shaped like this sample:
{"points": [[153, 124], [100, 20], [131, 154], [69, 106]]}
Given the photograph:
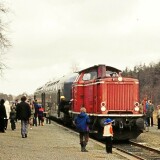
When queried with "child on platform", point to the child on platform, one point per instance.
{"points": [[108, 133]]}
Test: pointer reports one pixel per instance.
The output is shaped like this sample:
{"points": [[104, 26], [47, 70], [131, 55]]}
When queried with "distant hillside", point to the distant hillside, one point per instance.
{"points": [[149, 78]]}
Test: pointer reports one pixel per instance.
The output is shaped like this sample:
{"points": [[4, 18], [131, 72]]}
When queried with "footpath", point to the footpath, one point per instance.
{"points": [[49, 142]]}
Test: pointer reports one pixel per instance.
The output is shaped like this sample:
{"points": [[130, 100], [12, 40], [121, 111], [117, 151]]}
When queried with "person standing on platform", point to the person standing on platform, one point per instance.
{"points": [[3, 115], [158, 116], [41, 115], [141, 108], [149, 113], [108, 133], [13, 118], [36, 108], [48, 121], [31, 119], [23, 114], [16, 105], [81, 122], [8, 110], [62, 104]]}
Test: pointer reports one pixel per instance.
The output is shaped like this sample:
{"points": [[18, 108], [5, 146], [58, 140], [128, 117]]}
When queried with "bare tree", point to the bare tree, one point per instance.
{"points": [[74, 67], [4, 42]]}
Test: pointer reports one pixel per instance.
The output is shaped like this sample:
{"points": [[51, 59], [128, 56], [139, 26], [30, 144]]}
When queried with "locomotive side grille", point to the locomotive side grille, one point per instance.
{"points": [[120, 96]]}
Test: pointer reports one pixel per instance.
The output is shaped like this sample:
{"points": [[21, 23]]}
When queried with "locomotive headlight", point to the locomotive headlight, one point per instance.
{"points": [[103, 106], [136, 108], [120, 79]]}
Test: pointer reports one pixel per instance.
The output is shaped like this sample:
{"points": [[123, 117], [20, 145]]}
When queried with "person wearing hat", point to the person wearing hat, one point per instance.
{"points": [[108, 133], [62, 105]]}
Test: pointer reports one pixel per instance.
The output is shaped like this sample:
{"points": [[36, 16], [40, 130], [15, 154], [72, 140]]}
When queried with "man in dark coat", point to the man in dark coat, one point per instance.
{"points": [[62, 103], [149, 113], [2, 116], [23, 114], [62, 106]]}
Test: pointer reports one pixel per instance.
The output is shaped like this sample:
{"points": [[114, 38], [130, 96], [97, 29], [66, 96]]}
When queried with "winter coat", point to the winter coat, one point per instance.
{"points": [[62, 105], [36, 107], [40, 112], [2, 111], [82, 121], [8, 108], [12, 114], [32, 112], [48, 113], [149, 111], [23, 111], [2, 116], [158, 113]]}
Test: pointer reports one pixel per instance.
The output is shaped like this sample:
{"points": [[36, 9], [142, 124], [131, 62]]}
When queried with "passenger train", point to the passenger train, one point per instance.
{"points": [[104, 93]]}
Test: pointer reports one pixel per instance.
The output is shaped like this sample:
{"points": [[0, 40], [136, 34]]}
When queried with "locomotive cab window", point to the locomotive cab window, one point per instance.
{"points": [[111, 74], [90, 76], [86, 77]]}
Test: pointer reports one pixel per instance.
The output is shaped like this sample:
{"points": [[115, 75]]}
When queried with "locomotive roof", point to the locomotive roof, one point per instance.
{"points": [[107, 68]]}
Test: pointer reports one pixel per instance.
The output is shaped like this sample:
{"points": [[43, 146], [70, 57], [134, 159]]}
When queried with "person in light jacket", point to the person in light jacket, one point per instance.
{"points": [[8, 110], [158, 116], [108, 133]]}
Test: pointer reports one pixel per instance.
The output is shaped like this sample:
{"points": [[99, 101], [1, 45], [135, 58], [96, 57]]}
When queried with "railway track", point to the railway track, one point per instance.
{"points": [[116, 149], [132, 150], [139, 151]]}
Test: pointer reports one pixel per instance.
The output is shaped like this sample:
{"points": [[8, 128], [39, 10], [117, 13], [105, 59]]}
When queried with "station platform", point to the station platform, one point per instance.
{"points": [[48, 142], [153, 129]]}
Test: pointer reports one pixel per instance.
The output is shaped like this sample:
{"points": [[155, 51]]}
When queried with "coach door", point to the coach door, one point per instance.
{"points": [[43, 99]]}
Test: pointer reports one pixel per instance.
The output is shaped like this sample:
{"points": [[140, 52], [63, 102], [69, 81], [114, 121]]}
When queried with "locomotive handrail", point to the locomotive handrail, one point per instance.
{"points": [[110, 115]]}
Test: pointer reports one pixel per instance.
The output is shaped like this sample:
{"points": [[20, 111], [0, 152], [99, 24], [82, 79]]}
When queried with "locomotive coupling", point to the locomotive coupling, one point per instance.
{"points": [[121, 125]]}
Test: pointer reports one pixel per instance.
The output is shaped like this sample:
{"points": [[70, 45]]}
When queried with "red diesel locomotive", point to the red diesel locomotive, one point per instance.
{"points": [[104, 93]]}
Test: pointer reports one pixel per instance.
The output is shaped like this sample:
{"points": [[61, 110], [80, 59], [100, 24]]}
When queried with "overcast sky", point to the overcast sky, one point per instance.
{"points": [[49, 36]]}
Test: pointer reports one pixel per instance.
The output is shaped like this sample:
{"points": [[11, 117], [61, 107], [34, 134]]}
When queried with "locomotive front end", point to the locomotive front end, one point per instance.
{"points": [[106, 94], [119, 101]]}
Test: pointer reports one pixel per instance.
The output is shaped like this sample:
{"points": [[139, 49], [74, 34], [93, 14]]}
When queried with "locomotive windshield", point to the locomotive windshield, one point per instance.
{"points": [[99, 71], [93, 75], [111, 74], [90, 75]]}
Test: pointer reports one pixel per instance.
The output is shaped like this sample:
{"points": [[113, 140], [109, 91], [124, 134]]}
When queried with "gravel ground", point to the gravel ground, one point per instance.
{"points": [[150, 138], [48, 142], [54, 142]]}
